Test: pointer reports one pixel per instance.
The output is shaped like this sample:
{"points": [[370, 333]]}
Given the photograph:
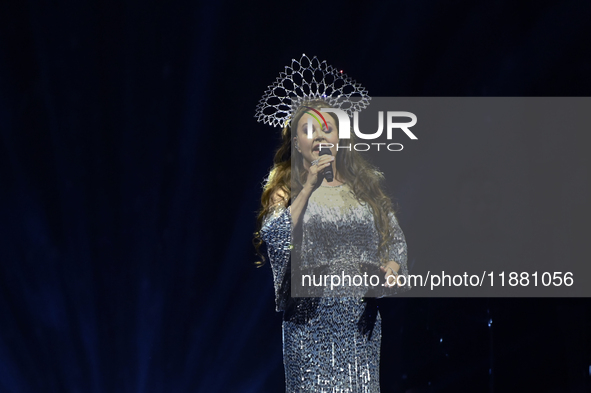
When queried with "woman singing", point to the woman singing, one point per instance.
{"points": [[342, 226]]}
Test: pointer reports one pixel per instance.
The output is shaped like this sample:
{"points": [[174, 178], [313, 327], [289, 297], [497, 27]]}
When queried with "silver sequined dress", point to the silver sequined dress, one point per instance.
{"points": [[324, 349]]}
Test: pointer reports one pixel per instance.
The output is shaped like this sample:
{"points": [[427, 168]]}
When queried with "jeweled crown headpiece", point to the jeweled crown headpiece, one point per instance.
{"points": [[306, 80]]}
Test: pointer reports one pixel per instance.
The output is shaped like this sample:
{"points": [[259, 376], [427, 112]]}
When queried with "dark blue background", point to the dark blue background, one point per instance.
{"points": [[131, 167]]}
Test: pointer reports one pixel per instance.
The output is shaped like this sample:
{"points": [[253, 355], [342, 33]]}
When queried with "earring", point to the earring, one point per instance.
{"points": [[297, 146]]}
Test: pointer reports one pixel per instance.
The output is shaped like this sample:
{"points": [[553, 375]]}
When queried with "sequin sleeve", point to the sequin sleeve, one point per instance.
{"points": [[398, 254], [276, 233]]}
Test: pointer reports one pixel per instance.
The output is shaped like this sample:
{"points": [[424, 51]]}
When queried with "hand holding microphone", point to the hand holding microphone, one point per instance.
{"points": [[319, 168]]}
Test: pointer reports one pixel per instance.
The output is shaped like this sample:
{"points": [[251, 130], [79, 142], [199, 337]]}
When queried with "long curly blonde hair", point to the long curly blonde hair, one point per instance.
{"points": [[363, 178]]}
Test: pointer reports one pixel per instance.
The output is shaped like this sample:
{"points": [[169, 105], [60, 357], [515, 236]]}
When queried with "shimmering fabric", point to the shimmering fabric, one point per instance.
{"points": [[324, 348]]}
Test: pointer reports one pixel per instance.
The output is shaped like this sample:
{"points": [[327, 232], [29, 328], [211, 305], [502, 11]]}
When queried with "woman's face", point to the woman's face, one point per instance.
{"points": [[310, 147]]}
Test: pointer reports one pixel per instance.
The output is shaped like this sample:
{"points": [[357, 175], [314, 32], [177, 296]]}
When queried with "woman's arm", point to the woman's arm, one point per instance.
{"points": [[397, 258], [298, 207], [313, 180], [279, 223], [276, 233]]}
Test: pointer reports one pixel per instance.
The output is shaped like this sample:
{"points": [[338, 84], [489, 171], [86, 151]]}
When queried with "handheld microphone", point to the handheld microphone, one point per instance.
{"points": [[327, 172]]}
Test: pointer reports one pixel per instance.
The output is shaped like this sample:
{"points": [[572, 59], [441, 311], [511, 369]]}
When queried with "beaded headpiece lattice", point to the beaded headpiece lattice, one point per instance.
{"points": [[306, 80]]}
